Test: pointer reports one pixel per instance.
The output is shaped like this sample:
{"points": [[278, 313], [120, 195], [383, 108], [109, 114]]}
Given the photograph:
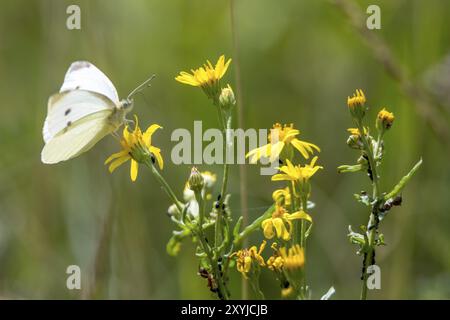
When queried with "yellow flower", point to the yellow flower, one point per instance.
{"points": [[280, 224], [207, 77], [385, 119], [282, 196], [280, 137], [356, 104], [246, 257], [294, 258], [137, 147], [297, 173]]}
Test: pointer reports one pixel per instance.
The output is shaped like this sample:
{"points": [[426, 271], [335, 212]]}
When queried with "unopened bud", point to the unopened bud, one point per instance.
{"points": [[385, 119], [227, 99], [196, 180]]}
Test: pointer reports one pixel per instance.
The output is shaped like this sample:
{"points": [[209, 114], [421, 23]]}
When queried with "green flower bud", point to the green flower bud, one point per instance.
{"points": [[227, 99], [196, 180]]}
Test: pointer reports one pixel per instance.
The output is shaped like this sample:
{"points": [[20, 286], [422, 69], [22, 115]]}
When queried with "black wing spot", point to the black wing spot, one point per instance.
{"points": [[77, 87], [69, 123], [67, 112]]}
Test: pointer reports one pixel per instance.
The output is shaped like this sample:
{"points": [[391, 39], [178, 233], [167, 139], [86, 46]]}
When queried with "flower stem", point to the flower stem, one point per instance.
{"points": [[222, 292], [303, 245], [164, 184], [372, 225]]}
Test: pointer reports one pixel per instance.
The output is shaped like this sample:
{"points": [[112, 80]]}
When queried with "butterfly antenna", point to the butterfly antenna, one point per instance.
{"points": [[141, 86]]}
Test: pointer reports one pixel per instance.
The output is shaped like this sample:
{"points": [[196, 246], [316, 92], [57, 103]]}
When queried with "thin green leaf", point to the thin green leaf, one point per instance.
{"points": [[398, 188]]}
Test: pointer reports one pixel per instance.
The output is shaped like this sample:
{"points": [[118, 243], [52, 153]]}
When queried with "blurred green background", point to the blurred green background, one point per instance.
{"points": [[298, 62]]}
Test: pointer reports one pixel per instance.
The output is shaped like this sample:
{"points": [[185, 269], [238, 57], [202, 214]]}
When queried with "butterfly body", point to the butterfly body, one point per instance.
{"points": [[85, 110]]}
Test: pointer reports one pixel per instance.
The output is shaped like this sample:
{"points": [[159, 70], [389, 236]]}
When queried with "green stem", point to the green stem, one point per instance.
{"points": [[164, 184], [296, 233], [257, 288], [222, 292], [371, 160], [223, 191], [372, 225], [303, 245]]}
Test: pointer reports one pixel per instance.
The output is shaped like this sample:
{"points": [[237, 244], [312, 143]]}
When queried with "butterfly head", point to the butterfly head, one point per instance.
{"points": [[126, 104]]}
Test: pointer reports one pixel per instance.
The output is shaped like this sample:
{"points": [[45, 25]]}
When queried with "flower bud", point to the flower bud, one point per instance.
{"points": [[173, 210], [354, 140], [385, 119], [226, 98], [356, 104], [196, 180]]}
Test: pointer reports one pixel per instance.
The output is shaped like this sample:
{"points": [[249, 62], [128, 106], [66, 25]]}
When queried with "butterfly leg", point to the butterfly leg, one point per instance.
{"points": [[129, 122], [116, 135]]}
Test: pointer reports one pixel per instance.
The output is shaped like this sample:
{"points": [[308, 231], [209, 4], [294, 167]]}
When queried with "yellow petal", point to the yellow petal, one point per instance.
{"points": [[267, 228], [225, 68], [299, 215], [291, 133], [187, 78], [287, 234], [119, 161], [280, 228], [261, 247], [116, 155], [133, 170], [313, 161], [247, 264], [299, 145], [219, 66], [149, 132], [126, 135], [157, 153], [281, 177]]}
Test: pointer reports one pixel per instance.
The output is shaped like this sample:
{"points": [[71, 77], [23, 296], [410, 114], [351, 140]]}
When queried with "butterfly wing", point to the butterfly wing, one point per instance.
{"points": [[65, 109], [78, 138], [83, 75]]}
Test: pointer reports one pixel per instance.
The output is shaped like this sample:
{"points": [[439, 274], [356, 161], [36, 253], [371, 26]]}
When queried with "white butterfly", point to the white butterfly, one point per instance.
{"points": [[86, 109]]}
